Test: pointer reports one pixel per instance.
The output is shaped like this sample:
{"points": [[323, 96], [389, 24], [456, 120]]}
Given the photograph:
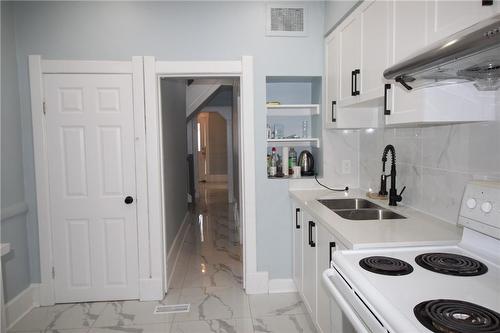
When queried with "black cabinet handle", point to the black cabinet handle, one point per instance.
{"points": [[297, 211], [387, 87], [128, 200], [332, 246], [353, 92], [356, 72], [334, 116], [311, 242]]}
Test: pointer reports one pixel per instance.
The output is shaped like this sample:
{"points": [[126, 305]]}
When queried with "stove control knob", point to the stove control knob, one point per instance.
{"points": [[471, 203], [486, 206]]}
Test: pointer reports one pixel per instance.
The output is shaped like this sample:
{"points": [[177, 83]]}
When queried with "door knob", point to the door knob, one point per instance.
{"points": [[129, 200]]}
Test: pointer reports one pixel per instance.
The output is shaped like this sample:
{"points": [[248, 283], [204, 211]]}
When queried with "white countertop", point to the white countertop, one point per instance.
{"points": [[418, 229], [4, 248]]}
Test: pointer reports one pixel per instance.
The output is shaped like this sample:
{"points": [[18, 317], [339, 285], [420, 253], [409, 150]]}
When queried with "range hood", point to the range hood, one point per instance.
{"points": [[471, 55]]}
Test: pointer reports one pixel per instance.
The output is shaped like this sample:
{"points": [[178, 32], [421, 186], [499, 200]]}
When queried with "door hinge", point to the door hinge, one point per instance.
{"points": [[53, 273], [44, 108]]}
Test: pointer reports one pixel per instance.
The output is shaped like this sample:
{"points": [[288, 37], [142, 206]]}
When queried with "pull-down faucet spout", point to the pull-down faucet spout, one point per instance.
{"points": [[394, 198]]}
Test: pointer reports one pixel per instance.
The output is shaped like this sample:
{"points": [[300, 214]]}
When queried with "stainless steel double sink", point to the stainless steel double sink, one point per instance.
{"points": [[359, 209]]}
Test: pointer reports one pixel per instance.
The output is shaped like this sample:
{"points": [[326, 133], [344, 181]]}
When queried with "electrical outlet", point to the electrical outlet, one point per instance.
{"points": [[346, 167]]}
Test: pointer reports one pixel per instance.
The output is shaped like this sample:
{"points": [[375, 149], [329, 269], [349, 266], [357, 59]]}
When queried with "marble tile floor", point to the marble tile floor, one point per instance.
{"points": [[208, 276]]}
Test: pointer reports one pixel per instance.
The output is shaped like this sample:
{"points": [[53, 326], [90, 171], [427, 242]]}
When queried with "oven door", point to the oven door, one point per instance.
{"points": [[354, 308]]}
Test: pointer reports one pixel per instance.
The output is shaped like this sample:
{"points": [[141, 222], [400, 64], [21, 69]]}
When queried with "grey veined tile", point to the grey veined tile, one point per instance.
{"points": [[214, 303], [146, 328], [131, 313], [281, 324], [214, 325], [276, 304], [77, 330], [61, 316]]}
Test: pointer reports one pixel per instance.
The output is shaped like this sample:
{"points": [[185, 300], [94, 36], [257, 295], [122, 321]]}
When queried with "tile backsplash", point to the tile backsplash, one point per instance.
{"points": [[434, 163]]}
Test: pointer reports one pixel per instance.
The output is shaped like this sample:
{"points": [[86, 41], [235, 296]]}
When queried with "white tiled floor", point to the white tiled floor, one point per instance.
{"points": [[208, 276]]}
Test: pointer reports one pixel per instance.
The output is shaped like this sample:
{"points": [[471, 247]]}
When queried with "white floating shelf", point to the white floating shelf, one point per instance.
{"points": [[290, 110], [293, 142]]}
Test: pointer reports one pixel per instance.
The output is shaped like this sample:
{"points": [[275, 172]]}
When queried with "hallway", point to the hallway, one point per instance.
{"points": [[208, 276]]}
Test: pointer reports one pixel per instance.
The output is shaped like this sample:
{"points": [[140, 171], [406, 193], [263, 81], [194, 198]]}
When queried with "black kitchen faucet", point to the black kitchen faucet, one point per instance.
{"points": [[394, 197]]}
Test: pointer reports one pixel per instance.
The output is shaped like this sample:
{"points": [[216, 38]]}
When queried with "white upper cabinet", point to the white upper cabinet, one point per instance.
{"points": [[448, 17], [335, 115], [376, 20], [381, 33], [407, 39], [436, 105], [350, 59], [332, 79], [364, 52]]}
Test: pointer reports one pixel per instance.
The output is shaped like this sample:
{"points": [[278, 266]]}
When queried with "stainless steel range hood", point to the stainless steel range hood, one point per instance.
{"points": [[471, 55]]}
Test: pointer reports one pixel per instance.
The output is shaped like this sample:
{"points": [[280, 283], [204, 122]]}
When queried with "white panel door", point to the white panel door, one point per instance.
{"points": [[90, 140]]}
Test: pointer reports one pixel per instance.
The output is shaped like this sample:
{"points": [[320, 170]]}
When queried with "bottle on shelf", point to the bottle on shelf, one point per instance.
{"points": [[285, 162], [274, 163], [292, 160]]}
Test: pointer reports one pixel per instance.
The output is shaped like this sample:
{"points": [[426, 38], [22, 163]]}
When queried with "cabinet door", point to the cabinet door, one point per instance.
{"points": [[448, 17], [309, 263], [376, 47], [408, 38], [326, 245], [332, 79], [297, 246], [350, 56]]}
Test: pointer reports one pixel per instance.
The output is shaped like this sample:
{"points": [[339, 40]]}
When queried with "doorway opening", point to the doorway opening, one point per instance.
{"points": [[201, 181]]}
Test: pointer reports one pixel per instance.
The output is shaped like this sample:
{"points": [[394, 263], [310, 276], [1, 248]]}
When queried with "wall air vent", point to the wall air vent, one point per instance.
{"points": [[286, 21]]}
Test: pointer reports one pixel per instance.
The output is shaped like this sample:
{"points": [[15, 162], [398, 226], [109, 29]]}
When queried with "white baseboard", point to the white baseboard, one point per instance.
{"points": [[20, 305], [282, 286], [173, 254], [257, 283]]}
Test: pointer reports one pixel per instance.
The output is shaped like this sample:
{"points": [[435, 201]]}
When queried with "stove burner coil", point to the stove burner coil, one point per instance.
{"points": [[451, 264], [386, 266], [451, 316]]}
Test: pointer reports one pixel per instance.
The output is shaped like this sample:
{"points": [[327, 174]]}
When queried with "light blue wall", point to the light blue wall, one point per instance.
{"points": [[178, 31], [336, 11], [173, 101], [13, 229]]}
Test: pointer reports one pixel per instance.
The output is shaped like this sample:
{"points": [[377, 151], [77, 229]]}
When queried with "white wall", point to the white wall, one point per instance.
{"points": [[16, 266], [173, 113], [178, 31]]}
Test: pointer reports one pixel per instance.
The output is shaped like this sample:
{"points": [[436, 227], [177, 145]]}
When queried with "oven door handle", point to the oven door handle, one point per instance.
{"points": [[342, 303]]}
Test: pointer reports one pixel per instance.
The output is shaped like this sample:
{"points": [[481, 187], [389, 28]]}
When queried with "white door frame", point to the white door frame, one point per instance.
{"points": [[254, 282], [39, 67]]}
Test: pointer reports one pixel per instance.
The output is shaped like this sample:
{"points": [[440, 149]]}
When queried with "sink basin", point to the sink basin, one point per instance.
{"points": [[368, 214], [351, 203]]}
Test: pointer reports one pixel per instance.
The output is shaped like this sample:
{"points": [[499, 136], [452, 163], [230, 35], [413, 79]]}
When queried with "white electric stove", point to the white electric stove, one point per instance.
{"points": [[452, 289]]}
